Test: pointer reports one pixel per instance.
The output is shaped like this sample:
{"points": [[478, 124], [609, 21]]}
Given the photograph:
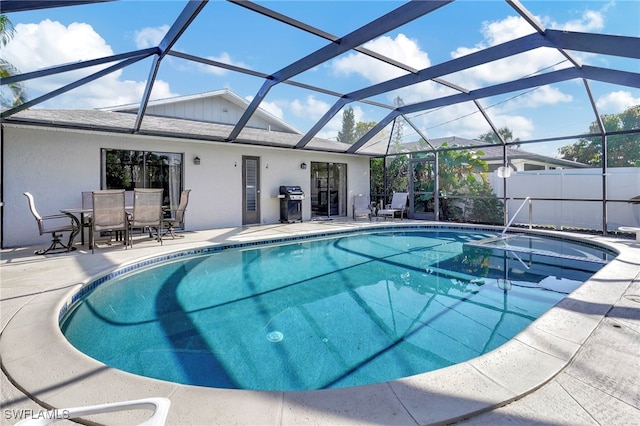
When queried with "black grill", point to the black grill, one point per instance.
{"points": [[291, 203]]}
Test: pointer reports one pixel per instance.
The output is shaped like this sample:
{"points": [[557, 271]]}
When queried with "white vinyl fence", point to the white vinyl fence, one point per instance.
{"points": [[583, 188]]}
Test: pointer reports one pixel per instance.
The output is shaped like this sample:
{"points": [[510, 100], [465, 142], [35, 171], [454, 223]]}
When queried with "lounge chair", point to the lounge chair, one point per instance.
{"points": [[361, 207], [398, 206], [55, 225], [177, 219], [108, 215], [147, 211]]}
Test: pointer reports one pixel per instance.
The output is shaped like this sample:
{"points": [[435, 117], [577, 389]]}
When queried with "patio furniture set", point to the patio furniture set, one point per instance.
{"points": [[114, 212], [363, 207]]}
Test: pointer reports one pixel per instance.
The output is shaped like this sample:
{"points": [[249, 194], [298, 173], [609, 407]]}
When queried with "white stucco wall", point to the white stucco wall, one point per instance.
{"points": [[56, 165]]}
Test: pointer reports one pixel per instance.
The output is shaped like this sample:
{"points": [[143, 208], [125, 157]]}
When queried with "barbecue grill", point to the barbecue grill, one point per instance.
{"points": [[291, 204]]}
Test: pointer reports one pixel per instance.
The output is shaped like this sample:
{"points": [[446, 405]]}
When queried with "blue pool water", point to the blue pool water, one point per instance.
{"points": [[323, 313]]}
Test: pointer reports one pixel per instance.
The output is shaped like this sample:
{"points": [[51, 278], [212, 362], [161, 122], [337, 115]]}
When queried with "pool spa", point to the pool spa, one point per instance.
{"points": [[335, 310]]}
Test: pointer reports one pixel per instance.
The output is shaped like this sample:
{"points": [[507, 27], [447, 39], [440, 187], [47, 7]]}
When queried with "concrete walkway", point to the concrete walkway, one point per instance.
{"points": [[579, 364]]}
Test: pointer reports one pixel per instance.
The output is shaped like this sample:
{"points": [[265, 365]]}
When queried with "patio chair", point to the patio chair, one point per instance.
{"points": [[147, 212], [177, 219], [398, 205], [55, 225], [128, 199], [362, 207], [108, 215], [87, 203]]}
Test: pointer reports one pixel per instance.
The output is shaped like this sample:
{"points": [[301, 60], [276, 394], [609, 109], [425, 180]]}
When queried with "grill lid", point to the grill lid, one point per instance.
{"points": [[289, 190]]}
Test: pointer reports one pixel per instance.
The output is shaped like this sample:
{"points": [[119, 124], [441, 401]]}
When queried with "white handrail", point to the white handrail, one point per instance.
{"points": [[518, 211]]}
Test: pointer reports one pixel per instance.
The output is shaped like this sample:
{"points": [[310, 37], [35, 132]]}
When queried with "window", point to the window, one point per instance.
{"points": [[125, 169]]}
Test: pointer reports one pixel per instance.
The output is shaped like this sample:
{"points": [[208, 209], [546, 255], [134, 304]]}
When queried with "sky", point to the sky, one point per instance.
{"points": [[229, 33]]}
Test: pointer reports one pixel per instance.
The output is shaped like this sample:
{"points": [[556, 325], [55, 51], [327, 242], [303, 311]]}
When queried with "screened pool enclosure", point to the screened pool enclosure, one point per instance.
{"points": [[476, 109]]}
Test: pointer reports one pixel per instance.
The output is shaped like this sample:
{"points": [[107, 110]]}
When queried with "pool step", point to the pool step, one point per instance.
{"points": [[488, 243]]}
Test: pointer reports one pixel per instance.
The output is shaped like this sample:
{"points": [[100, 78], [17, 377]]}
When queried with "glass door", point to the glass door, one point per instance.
{"points": [[328, 189], [422, 203]]}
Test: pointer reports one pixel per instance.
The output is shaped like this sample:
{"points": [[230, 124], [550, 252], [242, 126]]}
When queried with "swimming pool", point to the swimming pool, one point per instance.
{"points": [[324, 313]]}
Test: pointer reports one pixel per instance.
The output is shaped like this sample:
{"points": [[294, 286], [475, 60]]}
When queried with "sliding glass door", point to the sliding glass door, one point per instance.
{"points": [[129, 169], [328, 189]]}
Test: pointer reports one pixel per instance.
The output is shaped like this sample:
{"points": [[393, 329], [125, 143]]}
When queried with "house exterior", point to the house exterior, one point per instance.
{"points": [[518, 159], [58, 154]]}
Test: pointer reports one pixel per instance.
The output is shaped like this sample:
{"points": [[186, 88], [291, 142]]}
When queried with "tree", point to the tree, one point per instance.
{"points": [[465, 193], [398, 128], [505, 132], [347, 134], [362, 127], [622, 150], [18, 95]]}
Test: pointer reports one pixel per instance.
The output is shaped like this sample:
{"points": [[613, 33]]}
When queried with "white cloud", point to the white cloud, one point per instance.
{"points": [[495, 33], [591, 20], [538, 97], [271, 107], [402, 49], [225, 58], [616, 102], [50, 43], [150, 37], [309, 107], [455, 119], [510, 28]]}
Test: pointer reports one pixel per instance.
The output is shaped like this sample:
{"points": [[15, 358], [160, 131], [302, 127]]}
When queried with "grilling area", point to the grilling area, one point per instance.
{"points": [[291, 203]]}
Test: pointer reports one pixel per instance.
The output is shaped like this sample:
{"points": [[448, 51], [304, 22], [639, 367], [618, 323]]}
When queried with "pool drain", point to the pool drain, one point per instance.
{"points": [[275, 336]]}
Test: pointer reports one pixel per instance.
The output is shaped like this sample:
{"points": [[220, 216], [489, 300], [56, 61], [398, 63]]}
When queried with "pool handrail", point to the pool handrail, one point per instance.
{"points": [[518, 211]]}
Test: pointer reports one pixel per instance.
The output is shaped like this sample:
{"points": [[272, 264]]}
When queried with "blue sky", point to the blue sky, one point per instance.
{"points": [[229, 33]]}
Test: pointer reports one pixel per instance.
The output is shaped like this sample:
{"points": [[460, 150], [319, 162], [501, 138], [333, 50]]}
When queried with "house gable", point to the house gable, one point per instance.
{"points": [[220, 107]]}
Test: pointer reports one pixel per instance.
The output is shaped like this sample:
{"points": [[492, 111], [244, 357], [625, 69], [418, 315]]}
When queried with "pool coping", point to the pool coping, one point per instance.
{"points": [[48, 369]]}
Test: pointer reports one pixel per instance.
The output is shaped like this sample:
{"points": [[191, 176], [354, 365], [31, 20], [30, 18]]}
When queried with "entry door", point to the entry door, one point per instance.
{"points": [[422, 204], [250, 190]]}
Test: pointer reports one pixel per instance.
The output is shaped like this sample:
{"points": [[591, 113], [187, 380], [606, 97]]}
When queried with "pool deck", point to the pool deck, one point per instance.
{"points": [[578, 364]]}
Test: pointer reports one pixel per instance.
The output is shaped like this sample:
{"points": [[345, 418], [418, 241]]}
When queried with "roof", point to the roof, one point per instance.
{"points": [[121, 122]]}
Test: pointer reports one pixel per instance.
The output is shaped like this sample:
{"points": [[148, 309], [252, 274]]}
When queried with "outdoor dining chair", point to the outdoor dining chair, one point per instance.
{"points": [[55, 225], [109, 215], [177, 220], [87, 203], [147, 211]]}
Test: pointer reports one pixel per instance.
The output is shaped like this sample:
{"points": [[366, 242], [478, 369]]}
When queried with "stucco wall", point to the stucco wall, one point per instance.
{"points": [[57, 165]]}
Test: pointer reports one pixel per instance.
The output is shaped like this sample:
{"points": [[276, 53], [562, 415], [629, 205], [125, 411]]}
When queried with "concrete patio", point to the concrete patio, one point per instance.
{"points": [[579, 364]]}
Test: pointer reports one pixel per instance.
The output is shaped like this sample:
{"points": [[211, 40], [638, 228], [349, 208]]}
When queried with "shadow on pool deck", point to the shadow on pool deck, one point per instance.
{"points": [[597, 383]]}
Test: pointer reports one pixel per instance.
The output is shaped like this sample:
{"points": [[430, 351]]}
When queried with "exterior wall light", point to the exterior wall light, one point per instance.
{"points": [[303, 166], [196, 160]]}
